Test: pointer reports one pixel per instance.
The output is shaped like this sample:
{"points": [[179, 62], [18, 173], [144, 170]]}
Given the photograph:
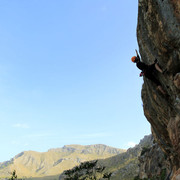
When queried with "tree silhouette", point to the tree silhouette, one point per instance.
{"points": [[14, 176]]}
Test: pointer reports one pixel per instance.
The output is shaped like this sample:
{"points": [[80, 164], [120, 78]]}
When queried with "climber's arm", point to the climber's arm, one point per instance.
{"points": [[137, 55]]}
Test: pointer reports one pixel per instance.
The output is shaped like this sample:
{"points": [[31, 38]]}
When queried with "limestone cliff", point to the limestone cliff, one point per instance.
{"points": [[158, 34]]}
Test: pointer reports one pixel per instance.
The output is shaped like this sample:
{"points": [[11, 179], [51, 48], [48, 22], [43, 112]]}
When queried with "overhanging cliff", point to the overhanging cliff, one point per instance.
{"points": [[158, 34]]}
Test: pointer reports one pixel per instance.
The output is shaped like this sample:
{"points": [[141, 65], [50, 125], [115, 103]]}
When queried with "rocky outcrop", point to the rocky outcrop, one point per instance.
{"points": [[153, 163], [158, 34]]}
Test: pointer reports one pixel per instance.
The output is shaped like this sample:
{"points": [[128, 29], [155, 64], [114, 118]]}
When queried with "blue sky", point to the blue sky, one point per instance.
{"points": [[66, 76]]}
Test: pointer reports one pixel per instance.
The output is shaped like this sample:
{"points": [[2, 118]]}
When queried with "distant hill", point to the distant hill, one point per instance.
{"points": [[123, 166], [55, 161]]}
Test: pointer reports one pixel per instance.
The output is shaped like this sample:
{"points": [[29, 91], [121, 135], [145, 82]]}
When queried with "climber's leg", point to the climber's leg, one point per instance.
{"points": [[158, 68], [156, 81], [161, 89]]}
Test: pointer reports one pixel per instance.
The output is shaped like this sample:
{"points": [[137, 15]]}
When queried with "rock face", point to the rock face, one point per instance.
{"points": [[158, 33], [153, 163]]}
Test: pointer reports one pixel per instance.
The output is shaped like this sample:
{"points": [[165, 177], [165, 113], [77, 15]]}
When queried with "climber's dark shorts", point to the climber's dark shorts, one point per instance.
{"points": [[153, 79], [151, 67], [150, 74]]}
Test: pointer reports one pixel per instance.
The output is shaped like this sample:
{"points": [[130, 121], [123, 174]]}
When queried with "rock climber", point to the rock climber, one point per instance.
{"points": [[148, 71]]}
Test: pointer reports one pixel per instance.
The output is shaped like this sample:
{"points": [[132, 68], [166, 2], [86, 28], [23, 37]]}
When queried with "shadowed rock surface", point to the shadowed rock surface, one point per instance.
{"points": [[153, 163], [158, 33]]}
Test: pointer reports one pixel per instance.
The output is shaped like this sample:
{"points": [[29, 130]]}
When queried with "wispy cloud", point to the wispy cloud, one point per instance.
{"points": [[131, 144], [95, 135], [82, 136], [90, 136], [14, 142], [39, 135], [19, 125], [26, 144], [19, 143]]}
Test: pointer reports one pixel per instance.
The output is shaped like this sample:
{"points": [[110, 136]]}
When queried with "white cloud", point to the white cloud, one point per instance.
{"points": [[19, 125], [131, 144]]}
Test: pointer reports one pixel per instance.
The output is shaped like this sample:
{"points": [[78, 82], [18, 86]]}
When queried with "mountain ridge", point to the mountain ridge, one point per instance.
{"points": [[55, 160], [123, 166]]}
